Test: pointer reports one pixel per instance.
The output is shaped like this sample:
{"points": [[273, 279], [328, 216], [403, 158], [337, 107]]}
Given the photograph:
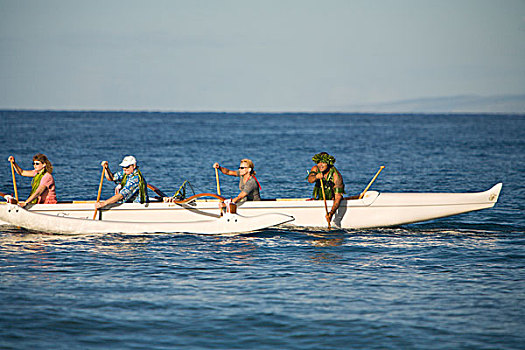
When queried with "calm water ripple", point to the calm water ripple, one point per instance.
{"points": [[454, 283]]}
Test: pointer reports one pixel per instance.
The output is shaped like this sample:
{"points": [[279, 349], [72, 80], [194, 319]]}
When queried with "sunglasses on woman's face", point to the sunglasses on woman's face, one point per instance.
{"points": [[243, 167], [36, 163]]}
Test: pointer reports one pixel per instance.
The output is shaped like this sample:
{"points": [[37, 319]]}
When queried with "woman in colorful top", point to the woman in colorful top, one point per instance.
{"points": [[43, 184], [332, 181], [248, 184], [131, 185]]}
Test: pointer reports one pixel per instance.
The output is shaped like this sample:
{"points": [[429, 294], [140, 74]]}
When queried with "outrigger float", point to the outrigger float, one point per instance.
{"points": [[202, 216]]}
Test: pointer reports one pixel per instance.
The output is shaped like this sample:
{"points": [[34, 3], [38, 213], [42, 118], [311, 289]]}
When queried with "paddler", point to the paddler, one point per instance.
{"points": [[43, 183], [131, 185], [248, 183], [333, 184]]}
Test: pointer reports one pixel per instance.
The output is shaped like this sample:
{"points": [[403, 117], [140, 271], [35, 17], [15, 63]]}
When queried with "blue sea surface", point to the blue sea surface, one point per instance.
{"points": [[452, 283]]}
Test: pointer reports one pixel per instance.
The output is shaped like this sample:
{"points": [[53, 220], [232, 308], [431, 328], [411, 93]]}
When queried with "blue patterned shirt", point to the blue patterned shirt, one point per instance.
{"points": [[130, 191]]}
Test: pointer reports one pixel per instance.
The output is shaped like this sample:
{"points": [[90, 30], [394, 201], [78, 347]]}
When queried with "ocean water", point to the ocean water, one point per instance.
{"points": [[453, 283]]}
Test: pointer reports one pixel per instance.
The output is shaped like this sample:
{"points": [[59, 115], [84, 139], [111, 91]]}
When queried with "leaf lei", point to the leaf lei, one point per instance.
{"points": [[323, 158]]}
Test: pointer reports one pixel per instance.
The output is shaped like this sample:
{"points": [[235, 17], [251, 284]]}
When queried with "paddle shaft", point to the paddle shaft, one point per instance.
{"points": [[324, 199], [217, 179], [99, 191], [371, 182], [14, 180]]}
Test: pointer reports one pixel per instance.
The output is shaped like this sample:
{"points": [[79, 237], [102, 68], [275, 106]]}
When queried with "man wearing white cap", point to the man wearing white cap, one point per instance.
{"points": [[131, 185]]}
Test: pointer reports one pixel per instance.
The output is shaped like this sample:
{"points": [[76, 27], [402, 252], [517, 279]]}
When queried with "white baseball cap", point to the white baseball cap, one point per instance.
{"points": [[127, 161]]}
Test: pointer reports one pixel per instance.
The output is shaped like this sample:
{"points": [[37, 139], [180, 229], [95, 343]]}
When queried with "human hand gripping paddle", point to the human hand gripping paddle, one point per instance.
{"points": [[100, 186]]}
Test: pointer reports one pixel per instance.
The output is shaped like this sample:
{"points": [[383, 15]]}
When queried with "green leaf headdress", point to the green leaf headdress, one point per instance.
{"points": [[323, 157]]}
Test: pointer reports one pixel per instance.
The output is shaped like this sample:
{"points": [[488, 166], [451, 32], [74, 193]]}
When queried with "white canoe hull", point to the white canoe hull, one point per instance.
{"points": [[228, 224], [374, 210]]}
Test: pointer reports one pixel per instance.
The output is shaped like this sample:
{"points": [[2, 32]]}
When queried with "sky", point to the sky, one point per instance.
{"points": [[244, 55]]}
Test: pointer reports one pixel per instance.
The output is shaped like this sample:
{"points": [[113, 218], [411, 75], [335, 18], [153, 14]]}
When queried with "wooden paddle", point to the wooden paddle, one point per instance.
{"points": [[371, 182], [14, 180], [218, 186], [324, 199], [217, 179], [99, 190]]}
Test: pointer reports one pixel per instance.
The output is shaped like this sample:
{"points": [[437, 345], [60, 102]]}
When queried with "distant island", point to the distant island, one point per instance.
{"points": [[508, 104]]}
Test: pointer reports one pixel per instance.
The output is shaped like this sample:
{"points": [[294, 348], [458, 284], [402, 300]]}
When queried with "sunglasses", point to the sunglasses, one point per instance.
{"points": [[36, 163], [243, 167], [125, 167]]}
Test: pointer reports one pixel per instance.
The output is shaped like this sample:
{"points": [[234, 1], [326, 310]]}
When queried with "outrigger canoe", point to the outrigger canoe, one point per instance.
{"points": [[375, 209]]}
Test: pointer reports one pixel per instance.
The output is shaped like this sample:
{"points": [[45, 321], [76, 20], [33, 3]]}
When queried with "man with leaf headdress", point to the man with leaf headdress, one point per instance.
{"points": [[324, 172]]}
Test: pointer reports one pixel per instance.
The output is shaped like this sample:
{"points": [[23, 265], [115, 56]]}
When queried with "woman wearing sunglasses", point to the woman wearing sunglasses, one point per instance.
{"points": [[248, 184], [43, 184]]}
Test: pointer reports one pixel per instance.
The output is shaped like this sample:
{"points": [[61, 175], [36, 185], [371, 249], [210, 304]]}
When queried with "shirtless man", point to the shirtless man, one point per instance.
{"points": [[333, 185]]}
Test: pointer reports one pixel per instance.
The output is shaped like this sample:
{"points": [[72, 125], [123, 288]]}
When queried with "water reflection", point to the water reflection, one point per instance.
{"points": [[326, 258], [119, 245], [325, 240], [15, 239], [238, 250]]}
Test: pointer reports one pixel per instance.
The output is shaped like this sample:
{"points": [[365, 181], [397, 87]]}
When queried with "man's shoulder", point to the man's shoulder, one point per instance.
{"points": [[336, 172]]}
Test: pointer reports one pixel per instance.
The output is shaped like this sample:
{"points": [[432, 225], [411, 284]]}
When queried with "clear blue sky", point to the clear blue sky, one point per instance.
{"points": [[242, 55]]}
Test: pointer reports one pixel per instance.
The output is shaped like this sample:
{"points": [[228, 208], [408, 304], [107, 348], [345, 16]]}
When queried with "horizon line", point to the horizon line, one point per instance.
{"points": [[162, 111]]}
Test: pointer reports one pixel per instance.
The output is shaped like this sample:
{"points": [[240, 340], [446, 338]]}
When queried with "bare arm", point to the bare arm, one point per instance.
{"points": [[314, 175], [32, 197], [107, 172], [240, 197], [224, 170], [338, 196], [19, 170], [111, 200], [337, 201]]}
